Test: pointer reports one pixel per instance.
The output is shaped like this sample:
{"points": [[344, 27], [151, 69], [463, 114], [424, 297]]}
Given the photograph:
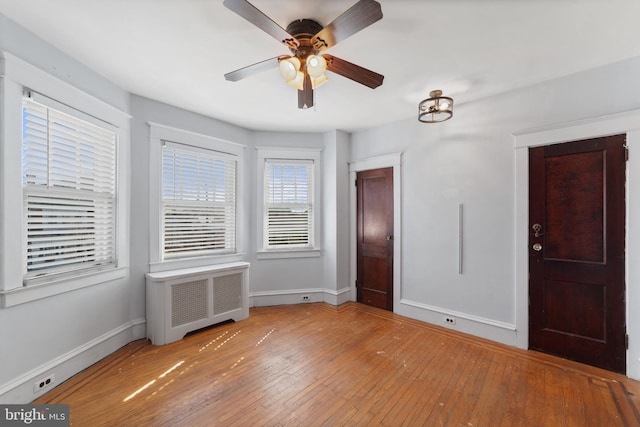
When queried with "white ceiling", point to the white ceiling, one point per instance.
{"points": [[177, 51]]}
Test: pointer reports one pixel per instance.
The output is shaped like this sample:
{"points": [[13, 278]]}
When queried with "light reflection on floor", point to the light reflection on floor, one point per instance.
{"points": [[140, 390], [208, 346], [264, 337]]}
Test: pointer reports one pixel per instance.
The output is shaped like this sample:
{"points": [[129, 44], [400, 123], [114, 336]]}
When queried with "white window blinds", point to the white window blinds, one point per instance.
{"points": [[69, 191], [198, 201], [288, 203]]}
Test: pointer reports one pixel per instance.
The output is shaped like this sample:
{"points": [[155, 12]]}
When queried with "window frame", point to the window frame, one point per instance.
{"points": [[160, 134], [55, 191], [293, 154], [211, 204], [16, 77]]}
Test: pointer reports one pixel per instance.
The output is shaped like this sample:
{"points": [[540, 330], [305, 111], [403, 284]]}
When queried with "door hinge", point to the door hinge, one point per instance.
{"points": [[626, 341], [626, 152], [355, 182]]}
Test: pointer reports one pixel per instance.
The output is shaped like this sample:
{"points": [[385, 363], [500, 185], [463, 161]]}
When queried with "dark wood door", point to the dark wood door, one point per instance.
{"points": [[576, 251], [375, 237]]}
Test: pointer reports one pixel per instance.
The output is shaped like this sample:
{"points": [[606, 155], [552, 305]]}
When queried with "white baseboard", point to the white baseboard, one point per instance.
{"points": [[20, 390], [337, 297], [493, 330], [297, 296]]}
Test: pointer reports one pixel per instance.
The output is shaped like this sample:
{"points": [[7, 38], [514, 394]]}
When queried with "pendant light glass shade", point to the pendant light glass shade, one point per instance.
{"points": [[289, 68], [297, 81], [318, 81], [316, 65]]}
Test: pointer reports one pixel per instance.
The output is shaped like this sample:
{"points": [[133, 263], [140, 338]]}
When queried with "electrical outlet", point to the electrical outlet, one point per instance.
{"points": [[305, 297], [450, 320], [44, 383]]}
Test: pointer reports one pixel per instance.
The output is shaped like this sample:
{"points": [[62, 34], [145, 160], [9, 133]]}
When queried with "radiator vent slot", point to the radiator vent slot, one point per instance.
{"points": [[228, 293], [188, 302]]}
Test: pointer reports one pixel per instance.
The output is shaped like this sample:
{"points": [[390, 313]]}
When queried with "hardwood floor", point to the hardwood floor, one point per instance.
{"points": [[315, 364]]}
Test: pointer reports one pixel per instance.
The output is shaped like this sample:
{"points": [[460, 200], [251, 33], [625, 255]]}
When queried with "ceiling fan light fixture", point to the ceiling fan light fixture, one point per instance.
{"points": [[436, 108], [316, 65], [289, 68], [318, 81], [297, 81], [306, 38]]}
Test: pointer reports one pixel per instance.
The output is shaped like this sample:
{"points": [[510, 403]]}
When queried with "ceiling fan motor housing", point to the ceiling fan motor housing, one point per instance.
{"points": [[303, 30]]}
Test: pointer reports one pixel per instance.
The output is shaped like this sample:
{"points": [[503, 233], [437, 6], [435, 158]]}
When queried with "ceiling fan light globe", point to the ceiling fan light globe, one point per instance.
{"points": [[289, 68], [316, 65], [297, 81], [318, 81]]}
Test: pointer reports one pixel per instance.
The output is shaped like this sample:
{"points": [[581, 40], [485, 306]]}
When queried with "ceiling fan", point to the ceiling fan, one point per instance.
{"points": [[306, 38]]}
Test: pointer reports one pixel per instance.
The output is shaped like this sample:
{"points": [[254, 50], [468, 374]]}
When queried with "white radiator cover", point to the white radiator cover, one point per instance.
{"points": [[181, 301]]}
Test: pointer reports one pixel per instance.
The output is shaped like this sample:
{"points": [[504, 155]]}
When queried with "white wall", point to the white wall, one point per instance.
{"points": [[445, 165], [283, 280], [65, 333], [272, 281], [20, 42], [632, 256], [336, 186], [471, 159], [145, 111]]}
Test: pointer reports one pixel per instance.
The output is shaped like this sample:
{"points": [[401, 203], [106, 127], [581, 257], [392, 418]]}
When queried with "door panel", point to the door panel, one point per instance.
{"points": [[576, 251], [375, 237], [575, 207]]}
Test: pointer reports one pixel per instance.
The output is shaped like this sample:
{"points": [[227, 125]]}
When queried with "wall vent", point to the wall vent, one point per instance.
{"points": [[181, 301]]}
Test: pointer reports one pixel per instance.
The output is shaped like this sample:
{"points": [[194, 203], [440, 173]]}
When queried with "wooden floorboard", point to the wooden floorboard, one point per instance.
{"points": [[320, 365]]}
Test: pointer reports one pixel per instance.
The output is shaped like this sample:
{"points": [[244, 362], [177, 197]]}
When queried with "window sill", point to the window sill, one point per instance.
{"points": [[290, 253], [195, 262], [25, 294]]}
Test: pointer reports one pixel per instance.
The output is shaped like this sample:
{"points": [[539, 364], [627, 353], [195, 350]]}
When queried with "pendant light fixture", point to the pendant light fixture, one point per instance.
{"points": [[436, 108]]}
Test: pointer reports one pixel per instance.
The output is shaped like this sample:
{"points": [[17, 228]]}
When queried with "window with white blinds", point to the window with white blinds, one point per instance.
{"points": [[69, 191], [198, 201], [288, 203]]}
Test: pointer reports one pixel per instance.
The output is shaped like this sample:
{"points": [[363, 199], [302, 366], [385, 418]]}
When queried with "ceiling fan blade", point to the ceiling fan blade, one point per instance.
{"points": [[260, 20], [250, 70], [305, 96], [358, 17], [354, 72]]}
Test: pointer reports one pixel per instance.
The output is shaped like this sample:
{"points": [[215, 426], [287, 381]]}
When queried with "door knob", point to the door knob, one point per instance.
{"points": [[537, 247]]}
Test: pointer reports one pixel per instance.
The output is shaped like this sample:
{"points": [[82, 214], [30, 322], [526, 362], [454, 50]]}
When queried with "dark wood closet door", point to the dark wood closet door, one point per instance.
{"points": [[576, 251], [375, 237]]}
